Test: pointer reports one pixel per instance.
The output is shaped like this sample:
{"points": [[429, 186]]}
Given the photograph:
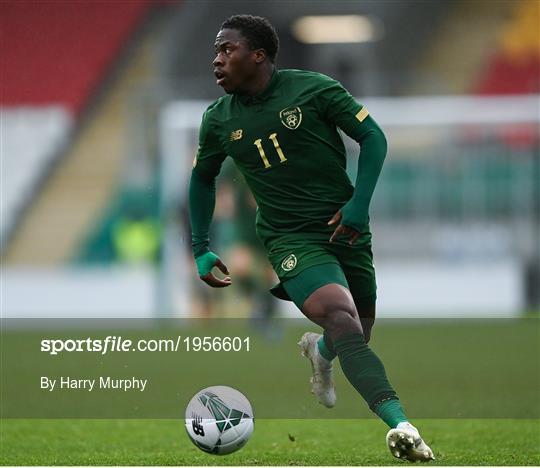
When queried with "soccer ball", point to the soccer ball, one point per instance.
{"points": [[219, 420]]}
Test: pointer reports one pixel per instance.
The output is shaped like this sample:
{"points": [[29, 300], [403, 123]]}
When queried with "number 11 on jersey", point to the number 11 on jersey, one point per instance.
{"points": [[258, 144]]}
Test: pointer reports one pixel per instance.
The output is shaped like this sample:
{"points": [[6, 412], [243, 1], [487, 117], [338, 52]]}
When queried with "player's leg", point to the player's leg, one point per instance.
{"points": [[357, 264], [298, 289], [318, 348], [365, 307], [366, 312], [404, 440], [321, 292], [332, 307]]}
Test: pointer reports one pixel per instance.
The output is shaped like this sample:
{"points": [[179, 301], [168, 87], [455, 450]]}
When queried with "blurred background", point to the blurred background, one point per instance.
{"points": [[100, 107]]}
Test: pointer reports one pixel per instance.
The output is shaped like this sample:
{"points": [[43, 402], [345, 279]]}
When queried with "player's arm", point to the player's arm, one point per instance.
{"points": [[341, 109], [355, 213], [202, 200]]}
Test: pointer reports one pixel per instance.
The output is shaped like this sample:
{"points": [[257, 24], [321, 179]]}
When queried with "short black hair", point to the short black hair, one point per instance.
{"points": [[257, 30]]}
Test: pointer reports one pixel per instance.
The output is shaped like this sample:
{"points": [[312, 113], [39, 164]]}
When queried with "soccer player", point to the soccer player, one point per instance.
{"points": [[281, 129]]}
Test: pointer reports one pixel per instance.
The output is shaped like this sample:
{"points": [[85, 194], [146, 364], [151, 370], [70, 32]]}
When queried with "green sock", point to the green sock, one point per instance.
{"points": [[326, 349], [365, 371], [391, 412]]}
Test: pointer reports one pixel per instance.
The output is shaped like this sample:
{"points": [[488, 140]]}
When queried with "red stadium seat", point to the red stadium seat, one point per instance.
{"points": [[57, 52]]}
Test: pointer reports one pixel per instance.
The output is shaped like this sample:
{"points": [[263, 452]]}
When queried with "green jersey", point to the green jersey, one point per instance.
{"points": [[286, 143]]}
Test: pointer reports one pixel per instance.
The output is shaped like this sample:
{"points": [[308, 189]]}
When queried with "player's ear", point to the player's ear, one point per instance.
{"points": [[260, 55]]}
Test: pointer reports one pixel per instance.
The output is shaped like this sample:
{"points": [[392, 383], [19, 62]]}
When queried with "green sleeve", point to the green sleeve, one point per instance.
{"points": [[202, 200], [372, 153], [340, 108], [202, 186]]}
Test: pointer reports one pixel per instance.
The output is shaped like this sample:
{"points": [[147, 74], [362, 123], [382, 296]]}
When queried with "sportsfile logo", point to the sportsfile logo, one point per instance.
{"points": [[108, 344]]}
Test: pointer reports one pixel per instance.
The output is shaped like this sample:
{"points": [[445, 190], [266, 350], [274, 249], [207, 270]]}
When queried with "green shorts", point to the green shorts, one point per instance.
{"points": [[305, 263]]}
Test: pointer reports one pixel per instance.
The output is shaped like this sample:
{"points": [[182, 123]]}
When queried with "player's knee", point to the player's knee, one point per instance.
{"points": [[333, 308], [342, 320]]}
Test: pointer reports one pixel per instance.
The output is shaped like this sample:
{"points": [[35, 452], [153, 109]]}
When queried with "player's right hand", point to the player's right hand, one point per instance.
{"points": [[205, 263], [342, 229]]}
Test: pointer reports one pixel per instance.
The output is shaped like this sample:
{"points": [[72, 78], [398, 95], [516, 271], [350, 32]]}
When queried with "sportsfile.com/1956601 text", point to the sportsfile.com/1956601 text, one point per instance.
{"points": [[119, 344]]}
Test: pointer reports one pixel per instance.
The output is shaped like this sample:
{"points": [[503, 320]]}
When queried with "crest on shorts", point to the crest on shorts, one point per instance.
{"points": [[291, 117], [289, 263]]}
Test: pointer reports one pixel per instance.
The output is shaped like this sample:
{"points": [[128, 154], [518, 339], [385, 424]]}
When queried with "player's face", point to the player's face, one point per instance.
{"points": [[235, 62]]}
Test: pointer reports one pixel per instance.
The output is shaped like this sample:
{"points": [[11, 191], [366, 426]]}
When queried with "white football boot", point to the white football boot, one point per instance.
{"points": [[322, 381], [405, 443]]}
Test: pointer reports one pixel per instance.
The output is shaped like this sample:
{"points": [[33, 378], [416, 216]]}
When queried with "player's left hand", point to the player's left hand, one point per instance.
{"points": [[342, 230]]}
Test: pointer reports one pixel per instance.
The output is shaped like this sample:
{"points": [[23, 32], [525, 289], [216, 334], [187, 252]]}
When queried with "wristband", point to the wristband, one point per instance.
{"points": [[206, 262]]}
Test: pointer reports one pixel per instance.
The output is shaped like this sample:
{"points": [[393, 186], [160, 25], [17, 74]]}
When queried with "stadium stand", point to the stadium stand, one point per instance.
{"points": [[54, 56], [25, 159], [459, 50], [514, 68], [82, 41]]}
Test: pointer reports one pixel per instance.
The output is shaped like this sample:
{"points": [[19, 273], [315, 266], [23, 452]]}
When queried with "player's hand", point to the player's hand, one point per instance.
{"points": [[205, 263], [342, 230]]}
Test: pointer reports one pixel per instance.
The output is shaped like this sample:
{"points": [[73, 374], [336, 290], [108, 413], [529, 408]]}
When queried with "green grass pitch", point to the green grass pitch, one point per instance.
{"points": [[473, 391], [316, 442]]}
